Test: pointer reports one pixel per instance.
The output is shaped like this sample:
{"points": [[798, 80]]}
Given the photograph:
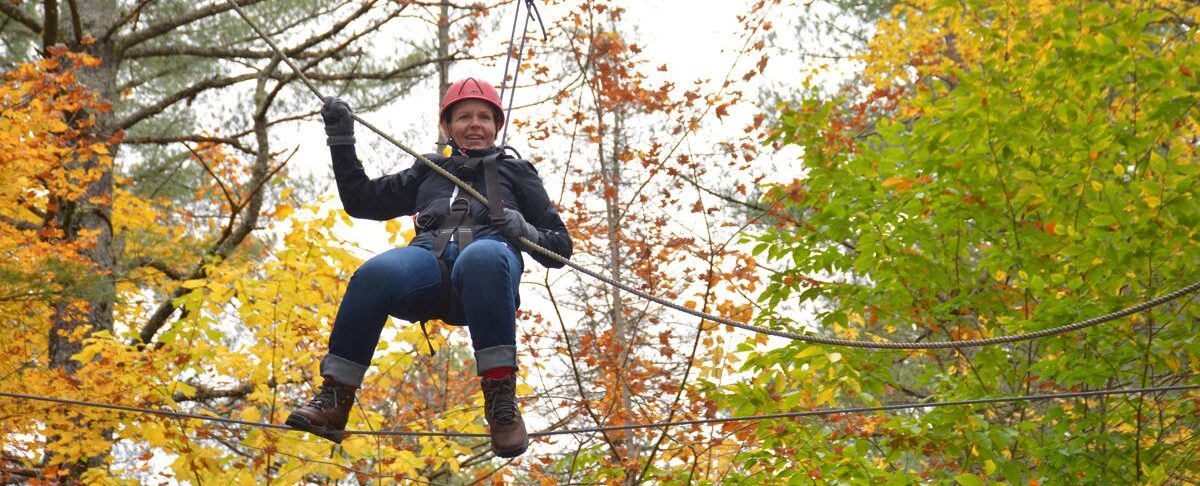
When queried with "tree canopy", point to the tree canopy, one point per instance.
{"points": [[982, 169], [995, 169]]}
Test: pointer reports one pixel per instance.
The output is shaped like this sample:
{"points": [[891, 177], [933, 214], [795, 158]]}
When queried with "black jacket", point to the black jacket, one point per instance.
{"points": [[420, 192]]}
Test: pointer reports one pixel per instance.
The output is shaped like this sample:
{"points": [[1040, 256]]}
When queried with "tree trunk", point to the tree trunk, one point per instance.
{"points": [[92, 305], [89, 305], [443, 65], [611, 174]]}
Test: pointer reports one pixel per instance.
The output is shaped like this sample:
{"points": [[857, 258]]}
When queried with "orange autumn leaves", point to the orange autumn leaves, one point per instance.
{"points": [[241, 344], [46, 124]]}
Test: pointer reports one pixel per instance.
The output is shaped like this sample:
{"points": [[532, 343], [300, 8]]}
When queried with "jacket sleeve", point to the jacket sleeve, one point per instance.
{"points": [[380, 199], [535, 205]]}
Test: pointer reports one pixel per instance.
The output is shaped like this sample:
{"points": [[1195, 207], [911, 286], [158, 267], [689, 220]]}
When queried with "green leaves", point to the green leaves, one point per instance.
{"points": [[1041, 169]]}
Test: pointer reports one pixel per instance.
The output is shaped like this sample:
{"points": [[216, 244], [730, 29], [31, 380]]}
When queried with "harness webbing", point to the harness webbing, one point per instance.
{"points": [[491, 184], [457, 226], [452, 225]]}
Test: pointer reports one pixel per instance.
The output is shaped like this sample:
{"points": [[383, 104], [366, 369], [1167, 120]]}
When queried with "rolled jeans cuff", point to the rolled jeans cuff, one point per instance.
{"points": [[495, 356], [334, 140], [343, 370]]}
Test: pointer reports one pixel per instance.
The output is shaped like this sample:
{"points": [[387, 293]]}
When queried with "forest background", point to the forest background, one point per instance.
{"points": [[922, 170]]}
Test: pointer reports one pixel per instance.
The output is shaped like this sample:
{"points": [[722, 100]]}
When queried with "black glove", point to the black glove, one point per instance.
{"points": [[339, 125], [516, 227]]}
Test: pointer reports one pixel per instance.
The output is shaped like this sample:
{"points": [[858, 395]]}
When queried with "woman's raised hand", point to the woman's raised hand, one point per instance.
{"points": [[339, 125]]}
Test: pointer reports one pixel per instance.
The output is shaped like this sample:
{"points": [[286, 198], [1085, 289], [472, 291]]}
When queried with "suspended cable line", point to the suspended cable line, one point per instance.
{"points": [[968, 343], [531, 12], [965, 343], [821, 412]]}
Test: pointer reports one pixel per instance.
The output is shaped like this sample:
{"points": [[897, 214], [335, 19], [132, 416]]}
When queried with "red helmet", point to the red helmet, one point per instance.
{"points": [[471, 89]]}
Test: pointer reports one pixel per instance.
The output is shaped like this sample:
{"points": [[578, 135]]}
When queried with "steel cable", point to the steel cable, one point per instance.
{"points": [[531, 12], [966, 343], [610, 428]]}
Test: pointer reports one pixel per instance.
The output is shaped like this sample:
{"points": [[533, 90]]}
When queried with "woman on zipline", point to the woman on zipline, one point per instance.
{"points": [[463, 266]]}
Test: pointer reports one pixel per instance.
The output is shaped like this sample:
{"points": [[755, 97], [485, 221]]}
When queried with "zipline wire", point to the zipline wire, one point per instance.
{"points": [[832, 341], [531, 12], [611, 428], [811, 339]]}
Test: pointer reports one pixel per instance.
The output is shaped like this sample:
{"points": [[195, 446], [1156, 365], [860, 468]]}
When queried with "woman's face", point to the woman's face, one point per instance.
{"points": [[472, 124]]}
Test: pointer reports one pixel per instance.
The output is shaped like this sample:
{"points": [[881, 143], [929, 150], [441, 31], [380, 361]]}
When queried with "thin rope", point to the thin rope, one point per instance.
{"points": [[537, 15], [531, 12], [508, 55], [610, 428], [811, 339], [516, 74]]}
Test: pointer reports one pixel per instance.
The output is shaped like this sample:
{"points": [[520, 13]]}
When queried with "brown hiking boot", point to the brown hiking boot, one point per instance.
{"points": [[509, 438], [326, 414]]}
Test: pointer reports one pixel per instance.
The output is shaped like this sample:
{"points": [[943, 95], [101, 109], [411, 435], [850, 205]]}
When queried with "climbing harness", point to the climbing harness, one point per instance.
{"points": [[456, 227], [532, 246]]}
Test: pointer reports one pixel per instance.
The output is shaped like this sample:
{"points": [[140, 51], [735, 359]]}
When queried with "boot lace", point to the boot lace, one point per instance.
{"points": [[326, 399], [502, 403]]}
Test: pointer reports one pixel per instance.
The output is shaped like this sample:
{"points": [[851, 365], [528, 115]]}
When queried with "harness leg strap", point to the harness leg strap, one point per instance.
{"points": [[447, 303], [491, 182]]}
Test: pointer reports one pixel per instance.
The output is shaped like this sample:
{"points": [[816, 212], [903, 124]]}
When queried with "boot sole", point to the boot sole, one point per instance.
{"points": [[510, 453], [299, 422]]}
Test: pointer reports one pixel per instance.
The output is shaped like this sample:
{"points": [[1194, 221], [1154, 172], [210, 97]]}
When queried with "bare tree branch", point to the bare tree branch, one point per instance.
{"points": [[220, 183], [338, 27], [173, 23], [399, 72], [285, 119], [255, 200], [233, 234], [282, 30], [340, 47], [204, 393], [138, 82], [133, 14], [49, 23], [586, 405], [167, 140], [13, 12], [151, 262], [76, 24], [226, 52], [221, 82], [299, 51], [18, 224], [188, 92], [462, 6]]}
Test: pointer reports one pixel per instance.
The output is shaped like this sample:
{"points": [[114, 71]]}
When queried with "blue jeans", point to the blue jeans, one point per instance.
{"points": [[406, 283]]}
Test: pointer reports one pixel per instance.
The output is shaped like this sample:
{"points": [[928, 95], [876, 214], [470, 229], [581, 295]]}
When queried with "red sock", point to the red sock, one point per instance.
{"points": [[499, 372]]}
